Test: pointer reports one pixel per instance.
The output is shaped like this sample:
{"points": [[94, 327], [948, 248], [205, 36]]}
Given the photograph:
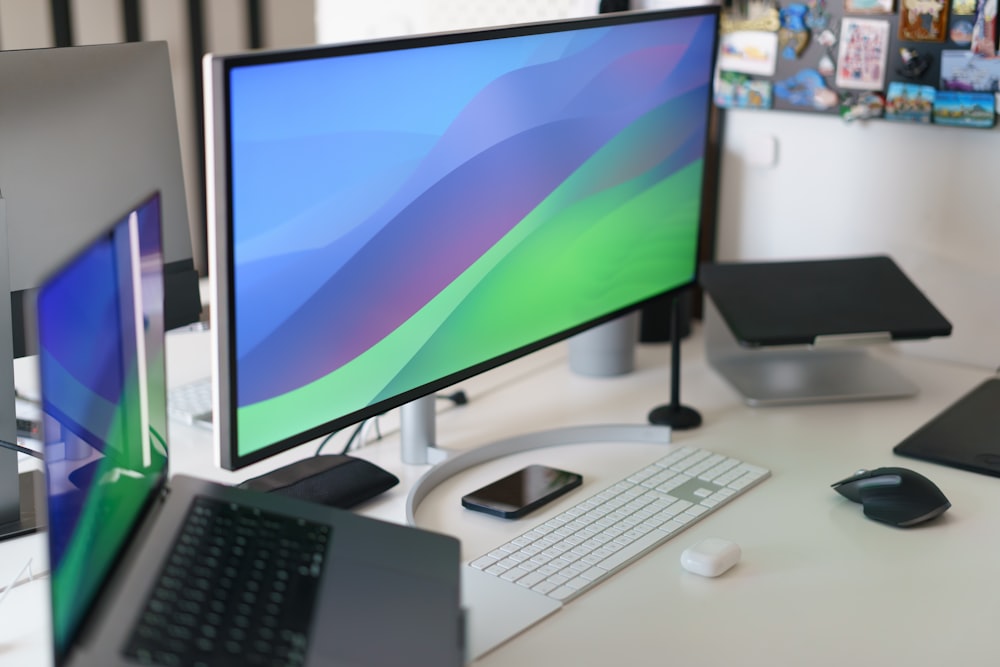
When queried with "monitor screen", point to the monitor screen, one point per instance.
{"points": [[391, 217], [102, 371]]}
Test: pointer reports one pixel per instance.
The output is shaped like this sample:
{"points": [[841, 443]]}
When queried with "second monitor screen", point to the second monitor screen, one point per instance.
{"points": [[409, 212]]}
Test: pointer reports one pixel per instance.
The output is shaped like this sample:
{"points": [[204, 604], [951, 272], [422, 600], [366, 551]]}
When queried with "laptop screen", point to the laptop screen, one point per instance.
{"points": [[103, 381]]}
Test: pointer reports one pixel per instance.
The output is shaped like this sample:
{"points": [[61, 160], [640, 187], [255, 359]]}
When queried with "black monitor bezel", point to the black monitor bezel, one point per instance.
{"points": [[217, 71]]}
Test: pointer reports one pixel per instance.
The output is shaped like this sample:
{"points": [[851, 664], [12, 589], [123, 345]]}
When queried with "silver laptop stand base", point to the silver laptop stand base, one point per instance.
{"points": [[768, 376]]}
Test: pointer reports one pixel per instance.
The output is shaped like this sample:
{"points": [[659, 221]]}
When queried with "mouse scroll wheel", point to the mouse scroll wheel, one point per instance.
{"points": [[859, 473]]}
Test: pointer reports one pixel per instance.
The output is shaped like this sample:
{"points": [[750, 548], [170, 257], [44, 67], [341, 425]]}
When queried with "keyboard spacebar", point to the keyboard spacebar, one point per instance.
{"points": [[640, 546], [630, 552]]}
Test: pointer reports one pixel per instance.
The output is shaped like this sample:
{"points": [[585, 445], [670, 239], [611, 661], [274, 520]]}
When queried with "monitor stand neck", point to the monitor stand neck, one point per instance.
{"points": [[18, 513], [418, 432]]}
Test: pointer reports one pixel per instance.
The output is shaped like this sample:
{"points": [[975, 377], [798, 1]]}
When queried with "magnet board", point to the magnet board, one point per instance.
{"points": [[923, 61]]}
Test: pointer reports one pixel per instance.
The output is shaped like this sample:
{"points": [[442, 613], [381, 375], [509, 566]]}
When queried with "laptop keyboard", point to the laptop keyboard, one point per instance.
{"points": [[237, 589]]}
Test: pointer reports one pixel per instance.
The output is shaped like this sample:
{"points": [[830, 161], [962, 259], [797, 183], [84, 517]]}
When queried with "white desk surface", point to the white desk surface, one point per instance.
{"points": [[818, 584]]}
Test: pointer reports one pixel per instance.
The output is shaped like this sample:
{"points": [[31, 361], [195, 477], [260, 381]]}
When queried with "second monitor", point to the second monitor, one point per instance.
{"points": [[82, 129]]}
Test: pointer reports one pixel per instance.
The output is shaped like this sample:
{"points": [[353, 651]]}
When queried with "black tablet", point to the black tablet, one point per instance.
{"points": [[965, 435]]}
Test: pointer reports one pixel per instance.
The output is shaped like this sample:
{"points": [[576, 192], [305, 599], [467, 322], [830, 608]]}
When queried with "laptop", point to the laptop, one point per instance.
{"points": [[156, 572]]}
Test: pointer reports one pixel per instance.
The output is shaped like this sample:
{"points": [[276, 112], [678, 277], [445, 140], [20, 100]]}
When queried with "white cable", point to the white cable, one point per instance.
{"points": [[15, 582]]}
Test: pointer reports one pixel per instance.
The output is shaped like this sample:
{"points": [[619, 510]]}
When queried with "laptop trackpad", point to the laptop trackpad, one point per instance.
{"points": [[497, 610], [369, 615]]}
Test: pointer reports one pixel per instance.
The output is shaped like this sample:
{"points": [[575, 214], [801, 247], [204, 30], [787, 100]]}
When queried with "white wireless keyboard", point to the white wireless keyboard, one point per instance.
{"points": [[191, 403], [584, 545]]}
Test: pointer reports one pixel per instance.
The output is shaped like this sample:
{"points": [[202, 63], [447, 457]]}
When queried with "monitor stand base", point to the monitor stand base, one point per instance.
{"points": [[570, 435]]}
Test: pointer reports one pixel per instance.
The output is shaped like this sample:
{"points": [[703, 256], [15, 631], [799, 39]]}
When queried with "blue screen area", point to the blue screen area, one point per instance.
{"points": [[101, 366], [408, 212]]}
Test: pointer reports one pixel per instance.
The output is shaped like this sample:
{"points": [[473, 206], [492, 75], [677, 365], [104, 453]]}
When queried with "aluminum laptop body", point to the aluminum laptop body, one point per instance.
{"points": [[384, 594]]}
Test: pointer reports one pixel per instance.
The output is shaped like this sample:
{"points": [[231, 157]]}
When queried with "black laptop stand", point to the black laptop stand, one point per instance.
{"points": [[797, 332]]}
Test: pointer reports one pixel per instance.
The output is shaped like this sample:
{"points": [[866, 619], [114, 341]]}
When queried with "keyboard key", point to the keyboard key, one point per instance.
{"points": [[191, 403]]}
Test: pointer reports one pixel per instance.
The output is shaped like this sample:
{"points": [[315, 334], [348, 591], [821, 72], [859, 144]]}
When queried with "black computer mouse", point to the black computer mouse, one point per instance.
{"points": [[896, 496]]}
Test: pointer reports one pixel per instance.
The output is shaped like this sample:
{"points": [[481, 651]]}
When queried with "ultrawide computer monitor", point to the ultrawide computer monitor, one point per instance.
{"points": [[391, 217], [83, 130]]}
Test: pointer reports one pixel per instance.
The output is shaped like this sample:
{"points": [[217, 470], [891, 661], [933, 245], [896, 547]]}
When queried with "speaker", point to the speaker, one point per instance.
{"points": [[336, 480], [656, 316]]}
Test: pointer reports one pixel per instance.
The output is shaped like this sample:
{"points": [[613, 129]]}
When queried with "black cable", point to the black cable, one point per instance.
{"points": [[18, 395], [132, 20], [20, 449], [160, 439], [255, 24], [458, 398], [354, 435], [350, 441], [197, 47], [322, 444], [62, 23]]}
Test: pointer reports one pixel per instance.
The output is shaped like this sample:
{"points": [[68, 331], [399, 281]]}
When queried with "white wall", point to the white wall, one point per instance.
{"points": [[343, 20], [923, 195]]}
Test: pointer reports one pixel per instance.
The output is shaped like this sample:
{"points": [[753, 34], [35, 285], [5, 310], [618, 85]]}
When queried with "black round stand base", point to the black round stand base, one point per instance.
{"points": [[679, 417]]}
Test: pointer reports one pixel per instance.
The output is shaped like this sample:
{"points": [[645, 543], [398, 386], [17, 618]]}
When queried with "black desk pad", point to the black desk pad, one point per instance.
{"points": [[965, 435], [793, 302]]}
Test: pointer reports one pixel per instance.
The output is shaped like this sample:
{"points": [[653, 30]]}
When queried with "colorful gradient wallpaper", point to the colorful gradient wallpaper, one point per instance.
{"points": [[103, 380], [400, 215]]}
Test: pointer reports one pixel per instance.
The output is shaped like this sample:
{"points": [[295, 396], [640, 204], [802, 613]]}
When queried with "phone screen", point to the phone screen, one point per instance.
{"points": [[521, 492]]}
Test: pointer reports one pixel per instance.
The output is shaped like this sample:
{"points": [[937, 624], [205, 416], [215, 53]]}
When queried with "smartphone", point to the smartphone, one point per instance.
{"points": [[521, 492]]}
